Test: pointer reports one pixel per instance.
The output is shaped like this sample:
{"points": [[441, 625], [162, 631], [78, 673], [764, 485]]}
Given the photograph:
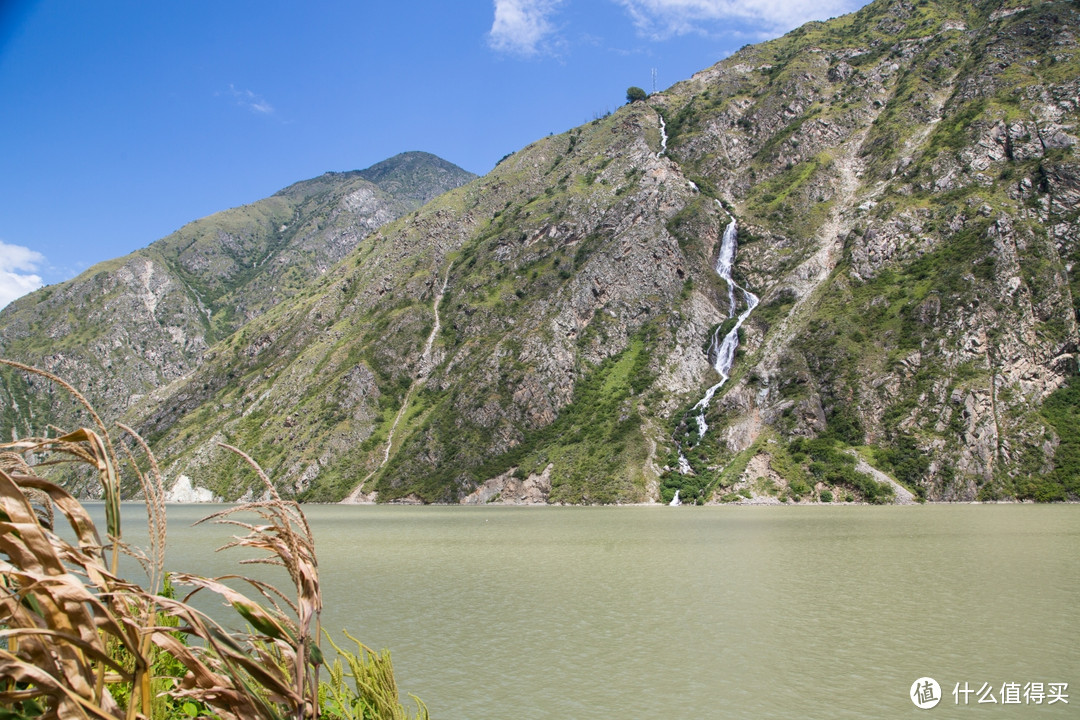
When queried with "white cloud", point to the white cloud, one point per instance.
{"points": [[664, 18], [17, 271], [522, 26], [253, 102]]}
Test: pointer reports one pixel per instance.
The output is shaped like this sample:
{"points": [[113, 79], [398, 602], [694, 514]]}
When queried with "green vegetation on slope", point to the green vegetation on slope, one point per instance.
{"points": [[595, 445], [1062, 411]]}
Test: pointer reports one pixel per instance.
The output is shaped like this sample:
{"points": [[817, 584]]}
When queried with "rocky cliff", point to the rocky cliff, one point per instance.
{"points": [[905, 189]]}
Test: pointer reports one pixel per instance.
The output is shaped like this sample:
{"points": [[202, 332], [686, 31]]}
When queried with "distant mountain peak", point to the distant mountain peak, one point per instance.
{"points": [[129, 325]]}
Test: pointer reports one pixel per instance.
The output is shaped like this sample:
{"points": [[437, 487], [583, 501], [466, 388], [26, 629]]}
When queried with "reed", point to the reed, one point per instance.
{"points": [[79, 641], [373, 691]]}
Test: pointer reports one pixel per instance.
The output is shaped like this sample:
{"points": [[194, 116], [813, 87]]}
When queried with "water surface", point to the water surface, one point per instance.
{"points": [[714, 612]]}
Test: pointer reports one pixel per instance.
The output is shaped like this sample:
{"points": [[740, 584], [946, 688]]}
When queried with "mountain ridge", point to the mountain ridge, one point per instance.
{"points": [[906, 192], [127, 325]]}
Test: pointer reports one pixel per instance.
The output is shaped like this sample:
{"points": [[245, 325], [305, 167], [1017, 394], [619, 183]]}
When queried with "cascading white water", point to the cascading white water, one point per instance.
{"points": [[684, 465], [663, 136], [675, 502], [722, 351]]}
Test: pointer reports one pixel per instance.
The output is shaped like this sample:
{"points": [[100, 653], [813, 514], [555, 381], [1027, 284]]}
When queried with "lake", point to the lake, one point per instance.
{"points": [[704, 612]]}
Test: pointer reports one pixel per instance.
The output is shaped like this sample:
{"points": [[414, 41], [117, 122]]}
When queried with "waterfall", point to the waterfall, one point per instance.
{"points": [[684, 465], [722, 350], [663, 136], [675, 501]]}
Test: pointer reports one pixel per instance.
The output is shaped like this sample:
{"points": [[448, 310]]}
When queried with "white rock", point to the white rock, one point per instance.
{"points": [[184, 492]]}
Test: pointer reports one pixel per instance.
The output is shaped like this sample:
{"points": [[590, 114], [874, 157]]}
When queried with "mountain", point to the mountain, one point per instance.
{"points": [[830, 262], [127, 326]]}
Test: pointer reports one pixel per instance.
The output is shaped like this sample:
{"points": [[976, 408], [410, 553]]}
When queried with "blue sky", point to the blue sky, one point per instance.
{"points": [[122, 120]]}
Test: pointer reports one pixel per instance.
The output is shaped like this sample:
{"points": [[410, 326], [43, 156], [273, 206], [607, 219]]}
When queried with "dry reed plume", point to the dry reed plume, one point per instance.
{"points": [[79, 641]]}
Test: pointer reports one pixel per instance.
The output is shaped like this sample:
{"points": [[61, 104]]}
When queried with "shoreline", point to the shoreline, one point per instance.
{"points": [[747, 503]]}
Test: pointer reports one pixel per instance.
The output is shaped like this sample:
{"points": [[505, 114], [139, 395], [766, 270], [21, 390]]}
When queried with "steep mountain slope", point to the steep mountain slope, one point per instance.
{"points": [[911, 169], [129, 325], [552, 263], [905, 192]]}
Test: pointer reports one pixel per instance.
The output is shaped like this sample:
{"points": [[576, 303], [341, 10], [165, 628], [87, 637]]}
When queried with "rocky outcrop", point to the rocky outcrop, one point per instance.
{"points": [[183, 492], [507, 489]]}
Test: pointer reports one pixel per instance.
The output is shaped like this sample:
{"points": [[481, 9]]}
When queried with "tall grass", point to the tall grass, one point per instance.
{"points": [[79, 641]]}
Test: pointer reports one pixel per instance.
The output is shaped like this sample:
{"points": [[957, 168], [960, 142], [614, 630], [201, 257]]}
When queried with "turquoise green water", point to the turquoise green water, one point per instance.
{"points": [[714, 612]]}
